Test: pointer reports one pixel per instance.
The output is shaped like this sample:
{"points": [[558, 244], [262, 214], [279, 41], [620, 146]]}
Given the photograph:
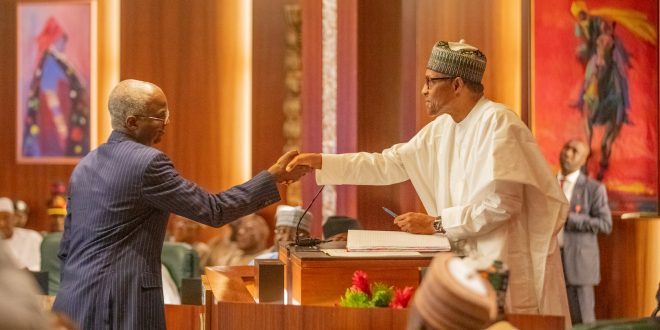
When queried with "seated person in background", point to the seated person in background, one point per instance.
{"points": [[187, 231], [21, 212], [23, 244], [56, 213], [336, 227], [286, 222], [170, 291], [251, 236], [221, 245]]}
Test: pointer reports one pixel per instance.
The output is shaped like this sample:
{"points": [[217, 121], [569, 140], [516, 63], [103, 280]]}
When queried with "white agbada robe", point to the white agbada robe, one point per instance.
{"points": [[496, 193], [25, 248]]}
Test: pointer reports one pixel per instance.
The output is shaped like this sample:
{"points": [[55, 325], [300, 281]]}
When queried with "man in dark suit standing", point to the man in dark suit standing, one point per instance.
{"points": [[120, 197], [588, 215]]}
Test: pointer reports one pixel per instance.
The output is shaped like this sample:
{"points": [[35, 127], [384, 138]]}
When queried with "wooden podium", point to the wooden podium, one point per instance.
{"points": [[314, 278], [315, 282]]}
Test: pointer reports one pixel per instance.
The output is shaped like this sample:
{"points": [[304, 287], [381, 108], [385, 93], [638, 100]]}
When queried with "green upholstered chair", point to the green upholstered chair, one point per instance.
{"points": [[49, 261], [180, 259]]}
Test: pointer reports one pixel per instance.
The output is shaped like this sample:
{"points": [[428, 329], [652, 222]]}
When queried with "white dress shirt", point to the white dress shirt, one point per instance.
{"points": [[567, 186]]}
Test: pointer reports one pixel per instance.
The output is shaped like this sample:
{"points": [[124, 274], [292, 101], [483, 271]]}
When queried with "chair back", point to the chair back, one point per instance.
{"points": [[181, 260], [50, 263]]}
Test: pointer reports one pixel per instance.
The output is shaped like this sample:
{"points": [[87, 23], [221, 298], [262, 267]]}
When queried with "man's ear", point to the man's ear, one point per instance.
{"points": [[457, 84], [131, 123]]}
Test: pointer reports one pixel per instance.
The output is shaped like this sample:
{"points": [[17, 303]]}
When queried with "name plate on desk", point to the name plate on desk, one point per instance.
{"points": [[269, 280]]}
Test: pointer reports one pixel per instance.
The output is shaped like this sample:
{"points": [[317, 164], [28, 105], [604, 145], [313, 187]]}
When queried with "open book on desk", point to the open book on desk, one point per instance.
{"points": [[378, 240]]}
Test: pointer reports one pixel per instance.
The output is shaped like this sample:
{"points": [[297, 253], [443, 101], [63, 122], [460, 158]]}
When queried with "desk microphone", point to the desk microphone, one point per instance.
{"points": [[308, 241]]}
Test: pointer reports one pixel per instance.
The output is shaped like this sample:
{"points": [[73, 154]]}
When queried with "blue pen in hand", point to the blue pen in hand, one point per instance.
{"points": [[388, 211]]}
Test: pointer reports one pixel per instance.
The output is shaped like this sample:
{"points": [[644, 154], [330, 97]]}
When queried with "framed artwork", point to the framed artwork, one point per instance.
{"points": [[594, 76], [56, 85]]}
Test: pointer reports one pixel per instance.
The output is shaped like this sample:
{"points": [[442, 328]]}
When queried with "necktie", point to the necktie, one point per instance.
{"points": [[561, 182]]}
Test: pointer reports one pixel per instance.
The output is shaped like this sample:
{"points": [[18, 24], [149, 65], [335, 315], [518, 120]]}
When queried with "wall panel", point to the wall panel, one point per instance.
{"points": [[268, 90]]}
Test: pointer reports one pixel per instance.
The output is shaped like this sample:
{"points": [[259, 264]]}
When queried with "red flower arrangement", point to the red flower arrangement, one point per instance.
{"points": [[363, 294]]}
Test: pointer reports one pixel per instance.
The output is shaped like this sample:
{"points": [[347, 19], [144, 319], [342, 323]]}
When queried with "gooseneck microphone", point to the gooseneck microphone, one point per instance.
{"points": [[308, 241]]}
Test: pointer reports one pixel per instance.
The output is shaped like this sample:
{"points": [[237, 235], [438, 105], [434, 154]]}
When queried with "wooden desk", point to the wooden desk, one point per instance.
{"points": [[314, 278], [229, 305]]}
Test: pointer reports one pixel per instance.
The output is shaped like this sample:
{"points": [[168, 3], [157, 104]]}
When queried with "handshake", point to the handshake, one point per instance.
{"points": [[293, 165]]}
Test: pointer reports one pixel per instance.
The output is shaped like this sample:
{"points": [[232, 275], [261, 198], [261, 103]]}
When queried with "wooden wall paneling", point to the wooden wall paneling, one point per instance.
{"points": [[410, 94], [525, 60], [192, 51], [504, 48], [493, 26], [630, 269], [347, 96], [311, 97], [268, 91], [379, 100]]}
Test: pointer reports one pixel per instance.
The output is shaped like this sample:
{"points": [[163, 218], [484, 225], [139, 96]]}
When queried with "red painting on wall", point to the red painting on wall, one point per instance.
{"points": [[55, 81], [595, 77]]}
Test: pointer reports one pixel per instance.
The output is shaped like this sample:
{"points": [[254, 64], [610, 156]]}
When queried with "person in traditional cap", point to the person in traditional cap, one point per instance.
{"points": [[286, 224], [452, 296], [480, 175], [21, 213], [56, 213], [336, 227], [24, 245]]}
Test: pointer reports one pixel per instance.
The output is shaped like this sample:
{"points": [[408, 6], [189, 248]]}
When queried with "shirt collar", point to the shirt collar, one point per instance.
{"points": [[117, 136], [478, 107], [572, 177]]}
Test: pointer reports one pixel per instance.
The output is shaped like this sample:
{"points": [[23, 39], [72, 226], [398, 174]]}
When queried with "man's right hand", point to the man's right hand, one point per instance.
{"points": [[282, 174], [309, 160], [416, 223]]}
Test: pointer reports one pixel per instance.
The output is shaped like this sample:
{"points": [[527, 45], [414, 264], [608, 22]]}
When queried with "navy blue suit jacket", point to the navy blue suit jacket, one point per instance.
{"points": [[589, 215], [120, 197]]}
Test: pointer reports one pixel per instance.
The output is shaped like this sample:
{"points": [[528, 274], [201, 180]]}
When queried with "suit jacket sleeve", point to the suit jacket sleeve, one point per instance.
{"points": [[165, 189], [599, 217]]}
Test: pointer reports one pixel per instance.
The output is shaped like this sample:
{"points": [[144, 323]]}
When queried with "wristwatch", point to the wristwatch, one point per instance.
{"points": [[437, 225]]}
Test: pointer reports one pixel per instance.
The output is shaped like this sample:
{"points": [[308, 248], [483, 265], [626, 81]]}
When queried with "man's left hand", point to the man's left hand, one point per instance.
{"points": [[416, 223]]}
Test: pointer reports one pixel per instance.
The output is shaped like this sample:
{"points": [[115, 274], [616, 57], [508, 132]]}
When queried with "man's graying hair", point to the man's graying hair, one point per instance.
{"points": [[129, 98], [475, 87]]}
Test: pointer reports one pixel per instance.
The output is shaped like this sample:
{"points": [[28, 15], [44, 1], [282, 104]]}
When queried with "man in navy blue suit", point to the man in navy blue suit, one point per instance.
{"points": [[120, 197]]}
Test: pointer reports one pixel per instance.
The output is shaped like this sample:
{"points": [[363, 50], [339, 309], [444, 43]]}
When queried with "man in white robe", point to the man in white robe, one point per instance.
{"points": [[481, 177], [24, 245]]}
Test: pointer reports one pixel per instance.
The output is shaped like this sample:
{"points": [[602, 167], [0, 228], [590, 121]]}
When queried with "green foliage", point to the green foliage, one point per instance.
{"points": [[354, 298], [382, 294]]}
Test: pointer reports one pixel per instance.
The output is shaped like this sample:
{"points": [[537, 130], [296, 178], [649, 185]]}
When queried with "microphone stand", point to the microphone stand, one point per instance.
{"points": [[308, 241]]}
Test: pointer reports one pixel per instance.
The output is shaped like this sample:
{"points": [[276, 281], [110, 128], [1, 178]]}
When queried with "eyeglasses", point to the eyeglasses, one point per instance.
{"points": [[165, 120], [430, 79]]}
